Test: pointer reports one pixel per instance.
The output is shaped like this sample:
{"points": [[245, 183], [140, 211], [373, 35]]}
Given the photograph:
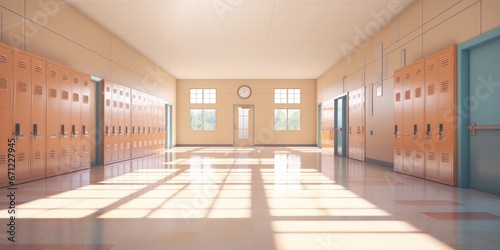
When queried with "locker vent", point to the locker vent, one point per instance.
{"points": [[76, 97], [140, 144], [108, 89], [121, 93], [418, 72], [408, 153], [134, 144], [38, 155], [21, 157], [53, 74], [108, 102], [127, 106], [65, 95], [38, 90], [430, 90], [86, 83], [108, 147], [3, 59], [445, 63], [75, 151], [431, 68], [3, 84], [38, 69], [115, 147], [53, 154], [408, 76], [85, 150], [86, 99], [128, 145], [432, 156], [122, 146], [115, 91], [127, 94], [65, 77], [64, 152], [115, 104], [121, 105], [418, 93], [76, 80], [3, 159], [53, 93], [445, 157], [408, 95], [150, 143], [418, 155], [22, 87], [445, 87], [22, 64]]}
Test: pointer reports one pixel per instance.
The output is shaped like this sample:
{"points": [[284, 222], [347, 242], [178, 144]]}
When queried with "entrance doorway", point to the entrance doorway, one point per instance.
{"points": [[243, 124]]}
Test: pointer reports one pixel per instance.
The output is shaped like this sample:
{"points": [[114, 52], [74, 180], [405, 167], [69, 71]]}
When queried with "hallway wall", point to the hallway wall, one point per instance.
{"points": [[426, 27]]}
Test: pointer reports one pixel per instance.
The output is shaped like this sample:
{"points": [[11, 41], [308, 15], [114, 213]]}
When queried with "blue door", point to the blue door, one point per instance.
{"points": [[484, 106], [340, 120]]}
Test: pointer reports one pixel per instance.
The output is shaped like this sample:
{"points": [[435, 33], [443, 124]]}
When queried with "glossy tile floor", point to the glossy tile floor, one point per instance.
{"points": [[248, 198]]}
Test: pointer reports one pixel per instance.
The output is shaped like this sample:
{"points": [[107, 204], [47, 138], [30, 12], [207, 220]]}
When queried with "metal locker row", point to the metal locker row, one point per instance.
{"points": [[357, 124], [29, 108], [424, 132], [68, 120], [133, 123]]}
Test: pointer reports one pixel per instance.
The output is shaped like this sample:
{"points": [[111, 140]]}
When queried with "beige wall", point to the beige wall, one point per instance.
{"points": [[58, 32], [263, 99], [426, 27]]}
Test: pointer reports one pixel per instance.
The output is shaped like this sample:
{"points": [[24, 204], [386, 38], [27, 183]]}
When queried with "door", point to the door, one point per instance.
{"points": [[340, 133], [243, 126], [485, 100]]}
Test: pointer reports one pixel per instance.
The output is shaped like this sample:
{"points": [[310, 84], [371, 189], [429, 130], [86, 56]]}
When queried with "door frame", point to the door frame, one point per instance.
{"points": [[253, 122], [462, 100], [320, 140], [168, 123], [345, 121]]}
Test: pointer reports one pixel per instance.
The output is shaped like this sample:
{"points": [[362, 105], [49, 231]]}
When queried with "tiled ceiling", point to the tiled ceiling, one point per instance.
{"points": [[239, 39]]}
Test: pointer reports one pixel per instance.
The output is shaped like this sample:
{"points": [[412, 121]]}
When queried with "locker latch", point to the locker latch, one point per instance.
{"points": [[133, 129], [17, 133], [63, 133], [120, 130], [73, 131], [428, 132], [35, 131], [396, 133], [441, 131], [107, 130], [114, 130], [84, 131], [415, 131], [126, 130]]}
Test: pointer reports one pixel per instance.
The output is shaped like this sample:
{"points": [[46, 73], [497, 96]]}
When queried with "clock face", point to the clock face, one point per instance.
{"points": [[244, 92]]}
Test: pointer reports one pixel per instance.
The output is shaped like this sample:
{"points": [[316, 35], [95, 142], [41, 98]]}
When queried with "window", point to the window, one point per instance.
{"points": [[203, 119], [206, 96], [287, 119], [287, 96]]}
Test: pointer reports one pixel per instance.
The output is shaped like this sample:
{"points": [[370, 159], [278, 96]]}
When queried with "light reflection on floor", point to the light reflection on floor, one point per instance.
{"points": [[262, 198]]}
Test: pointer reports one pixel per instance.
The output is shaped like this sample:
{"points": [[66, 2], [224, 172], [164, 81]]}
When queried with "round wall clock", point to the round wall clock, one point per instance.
{"points": [[244, 92]]}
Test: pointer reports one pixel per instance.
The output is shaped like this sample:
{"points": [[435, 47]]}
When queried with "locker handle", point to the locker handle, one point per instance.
{"points": [[18, 133], [350, 132], [133, 130], [441, 131], [84, 131], [35, 132], [428, 132], [73, 131], [359, 131], [415, 131], [144, 130], [107, 130], [63, 133], [126, 130], [396, 133], [114, 131], [120, 130]]}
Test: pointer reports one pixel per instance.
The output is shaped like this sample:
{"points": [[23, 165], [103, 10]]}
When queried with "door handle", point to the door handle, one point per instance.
{"points": [[474, 127]]}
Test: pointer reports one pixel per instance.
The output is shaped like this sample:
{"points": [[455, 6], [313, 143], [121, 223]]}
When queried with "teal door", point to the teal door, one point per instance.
{"points": [[484, 106], [340, 125]]}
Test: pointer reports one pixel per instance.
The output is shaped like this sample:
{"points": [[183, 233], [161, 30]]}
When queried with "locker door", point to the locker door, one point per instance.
{"points": [[431, 117], [352, 124], [361, 118], [115, 120], [140, 124], [85, 147], [5, 111], [38, 117], [447, 123], [121, 123], [398, 121], [53, 120], [418, 119], [134, 127], [408, 120], [76, 121], [65, 120], [21, 117], [107, 123], [128, 137]]}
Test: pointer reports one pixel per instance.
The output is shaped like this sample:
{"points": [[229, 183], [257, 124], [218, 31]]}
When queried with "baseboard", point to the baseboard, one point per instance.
{"points": [[382, 163], [287, 145], [202, 145]]}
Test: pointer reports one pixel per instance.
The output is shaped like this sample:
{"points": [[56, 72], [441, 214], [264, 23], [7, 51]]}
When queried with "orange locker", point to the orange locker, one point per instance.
{"points": [[127, 134], [53, 119], [352, 124], [66, 149], [107, 123], [418, 119], [431, 118], [121, 123], [5, 110], [85, 147], [361, 107], [21, 114], [76, 121], [115, 120], [357, 124], [398, 121], [408, 128], [134, 121], [140, 125], [38, 126]]}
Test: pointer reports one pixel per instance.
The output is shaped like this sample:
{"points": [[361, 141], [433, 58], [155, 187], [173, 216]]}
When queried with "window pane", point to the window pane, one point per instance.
{"points": [[280, 118], [294, 119], [195, 119], [209, 119]]}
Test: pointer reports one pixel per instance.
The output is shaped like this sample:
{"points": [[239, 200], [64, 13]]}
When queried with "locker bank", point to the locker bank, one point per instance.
{"points": [[201, 124]]}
